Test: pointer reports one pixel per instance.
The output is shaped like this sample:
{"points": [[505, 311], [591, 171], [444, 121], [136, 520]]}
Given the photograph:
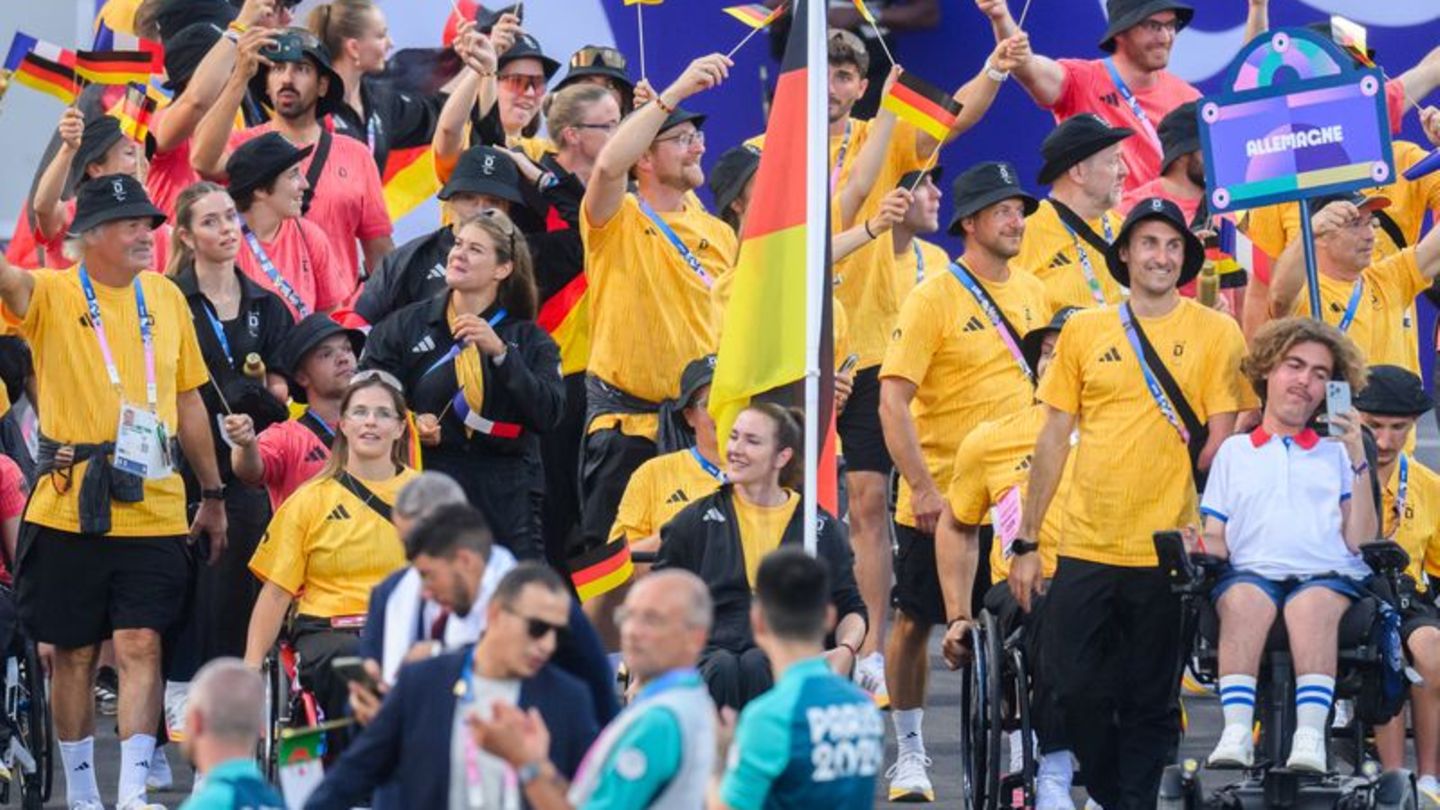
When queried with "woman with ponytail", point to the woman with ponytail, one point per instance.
{"points": [[723, 537]]}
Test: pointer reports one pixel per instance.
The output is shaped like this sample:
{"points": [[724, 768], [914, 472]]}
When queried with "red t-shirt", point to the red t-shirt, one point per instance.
{"points": [[1088, 88], [301, 254], [1156, 188], [170, 174], [293, 454], [349, 200], [12, 500]]}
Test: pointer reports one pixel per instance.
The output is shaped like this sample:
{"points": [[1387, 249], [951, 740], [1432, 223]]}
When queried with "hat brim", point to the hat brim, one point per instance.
{"points": [[480, 185], [94, 154], [1054, 168], [548, 65], [731, 191], [256, 182], [1034, 342], [1183, 14], [1179, 150], [357, 344], [910, 179], [679, 117], [969, 207], [332, 102], [140, 209], [612, 73], [1189, 269]]}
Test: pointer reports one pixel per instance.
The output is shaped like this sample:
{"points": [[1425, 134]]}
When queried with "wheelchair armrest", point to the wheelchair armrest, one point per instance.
{"points": [[1385, 557]]}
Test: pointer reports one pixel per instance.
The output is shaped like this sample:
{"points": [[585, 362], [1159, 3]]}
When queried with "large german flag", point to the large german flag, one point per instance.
{"points": [[763, 334], [115, 67], [931, 109]]}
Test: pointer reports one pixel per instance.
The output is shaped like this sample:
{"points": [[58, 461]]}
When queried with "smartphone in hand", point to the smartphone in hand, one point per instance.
{"points": [[1337, 401], [352, 668]]}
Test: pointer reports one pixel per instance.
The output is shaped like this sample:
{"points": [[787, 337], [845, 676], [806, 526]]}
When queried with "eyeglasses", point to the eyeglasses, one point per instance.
{"points": [[360, 413], [1159, 26], [597, 55], [685, 140], [539, 628], [522, 82]]}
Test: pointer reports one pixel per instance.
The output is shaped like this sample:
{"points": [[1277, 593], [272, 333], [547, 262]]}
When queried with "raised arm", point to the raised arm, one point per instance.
{"points": [[892, 210], [176, 123], [475, 88], [209, 146], [49, 211], [1257, 21], [1041, 76], [975, 96], [1287, 278], [16, 285], [868, 161]]}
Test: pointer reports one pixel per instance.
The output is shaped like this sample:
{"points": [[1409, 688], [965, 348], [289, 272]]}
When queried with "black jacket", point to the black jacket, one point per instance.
{"points": [[705, 540], [399, 120], [415, 271]]}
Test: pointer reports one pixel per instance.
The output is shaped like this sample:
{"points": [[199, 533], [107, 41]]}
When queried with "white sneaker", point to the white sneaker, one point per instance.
{"points": [[1052, 792], [1236, 748], [1307, 751], [870, 676], [909, 781], [85, 804], [159, 777], [138, 804]]}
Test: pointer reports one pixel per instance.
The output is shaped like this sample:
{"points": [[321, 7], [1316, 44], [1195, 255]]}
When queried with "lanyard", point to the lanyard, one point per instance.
{"points": [[1350, 308], [840, 158], [919, 261], [710, 469], [371, 127], [147, 338], [465, 694], [1086, 267], [1402, 494], [685, 254], [1125, 92], [276, 280], [315, 417], [1156, 392], [219, 331], [997, 320], [493, 320]]}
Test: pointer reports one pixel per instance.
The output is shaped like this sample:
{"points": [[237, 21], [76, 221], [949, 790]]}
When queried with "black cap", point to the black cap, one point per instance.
{"points": [[101, 133], [175, 16], [259, 160], [679, 117], [1394, 391], [599, 60], [1076, 138], [293, 45], [485, 170], [697, 374], [1179, 134], [909, 180], [187, 49], [311, 331], [1034, 340], [985, 184], [1157, 208], [732, 171], [528, 47], [1126, 14], [1366, 203], [110, 198], [487, 18]]}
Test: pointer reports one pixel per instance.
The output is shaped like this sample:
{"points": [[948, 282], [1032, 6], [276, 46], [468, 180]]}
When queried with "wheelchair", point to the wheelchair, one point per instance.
{"points": [[1362, 663], [29, 752], [994, 701], [288, 706]]}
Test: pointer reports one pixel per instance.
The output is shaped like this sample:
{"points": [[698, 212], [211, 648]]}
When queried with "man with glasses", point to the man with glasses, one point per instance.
{"points": [[419, 749]]}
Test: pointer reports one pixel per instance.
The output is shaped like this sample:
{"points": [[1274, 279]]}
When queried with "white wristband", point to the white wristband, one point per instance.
{"points": [[998, 76]]}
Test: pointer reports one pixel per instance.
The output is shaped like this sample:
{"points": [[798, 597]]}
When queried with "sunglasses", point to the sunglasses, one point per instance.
{"points": [[498, 217], [521, 83], [385, 378], [597, 56], [539, 628]]}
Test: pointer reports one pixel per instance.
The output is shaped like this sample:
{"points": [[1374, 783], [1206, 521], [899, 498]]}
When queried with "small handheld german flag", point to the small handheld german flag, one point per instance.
{"points": [[115, 67], [602, 569], [48, 76], [134, 112], [917, 101], [755, 15]]}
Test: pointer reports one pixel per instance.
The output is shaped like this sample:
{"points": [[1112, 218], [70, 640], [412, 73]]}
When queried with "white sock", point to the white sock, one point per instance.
{"points": [[1313, 696], [135, 754], [909, 738], [1237, 700], [1058, 764], [79, 759]]}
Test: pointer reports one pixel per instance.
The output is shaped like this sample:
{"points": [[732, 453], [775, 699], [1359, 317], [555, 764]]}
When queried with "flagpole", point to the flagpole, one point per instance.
{"points": [[640, 24], [816, 211], [741, 43]]}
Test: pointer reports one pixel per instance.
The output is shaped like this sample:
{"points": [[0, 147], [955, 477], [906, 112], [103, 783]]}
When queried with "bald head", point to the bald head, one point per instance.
{"points": [[684, 593], [664, 622], [227, 702]]}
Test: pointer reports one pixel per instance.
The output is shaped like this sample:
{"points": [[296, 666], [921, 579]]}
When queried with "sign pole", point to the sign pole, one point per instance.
{"points": [[1312, 271]]}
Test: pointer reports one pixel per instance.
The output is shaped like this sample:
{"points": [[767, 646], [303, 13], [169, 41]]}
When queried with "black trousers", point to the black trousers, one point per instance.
{"points": [[1112, 653], [317, 644], [506, 490], [734, 678], [610, 458], [1045, 715], [560, 450]]}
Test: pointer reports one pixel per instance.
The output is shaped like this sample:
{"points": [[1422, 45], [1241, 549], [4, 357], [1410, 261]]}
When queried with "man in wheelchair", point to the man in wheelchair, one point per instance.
{"points": [[1289, 510]]}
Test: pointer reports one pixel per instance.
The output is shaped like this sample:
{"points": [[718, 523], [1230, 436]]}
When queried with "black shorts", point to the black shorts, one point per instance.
{"points": [[861, 439], [74, 590], [1419, 614], [610, 458], [917, 584]]}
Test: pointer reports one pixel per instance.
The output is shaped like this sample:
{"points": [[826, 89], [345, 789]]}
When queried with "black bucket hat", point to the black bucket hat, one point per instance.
{"points": [[697, 374], [985, 184], [174, 16], [1179, 134], [259, 160], [110, 198], [528, 47], [101, 132], [1394, 391], [1126, 14], [1076, 138], [1163, 209], [294, 45], [1034, 340], [485, 170], [732, 171], [599, 60], [679, 117], [187, 49], [311, 331]]}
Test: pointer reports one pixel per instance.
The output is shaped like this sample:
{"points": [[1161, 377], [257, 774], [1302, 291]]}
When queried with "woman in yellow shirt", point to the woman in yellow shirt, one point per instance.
{"points": [[332, 541]]}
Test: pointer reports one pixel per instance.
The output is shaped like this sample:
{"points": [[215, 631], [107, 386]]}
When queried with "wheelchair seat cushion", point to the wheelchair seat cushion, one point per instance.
{"points": [[1355, 626]]}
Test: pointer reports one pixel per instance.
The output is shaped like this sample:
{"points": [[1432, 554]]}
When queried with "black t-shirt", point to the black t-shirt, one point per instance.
{"points": [[395, 119]]}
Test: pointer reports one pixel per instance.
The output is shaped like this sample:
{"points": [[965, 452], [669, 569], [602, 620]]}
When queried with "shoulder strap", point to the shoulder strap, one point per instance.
{"points": [[1199, 432], [366, 497], [317, 165], [1391, 228], [312, 424], [1007, 332], [1080, 226]]}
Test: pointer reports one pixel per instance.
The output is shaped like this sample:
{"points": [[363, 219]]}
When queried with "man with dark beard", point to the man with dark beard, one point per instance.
{"points": [[1182, 170]]}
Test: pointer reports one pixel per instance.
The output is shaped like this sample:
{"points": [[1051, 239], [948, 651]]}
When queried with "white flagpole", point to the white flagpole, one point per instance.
{"points": [[816, 213]]}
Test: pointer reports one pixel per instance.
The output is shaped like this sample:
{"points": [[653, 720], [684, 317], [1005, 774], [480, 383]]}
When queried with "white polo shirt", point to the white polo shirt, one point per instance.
{"points": [[1279, 498]]}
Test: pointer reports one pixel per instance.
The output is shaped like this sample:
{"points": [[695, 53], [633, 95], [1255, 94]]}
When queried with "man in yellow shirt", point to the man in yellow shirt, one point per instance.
{"points": [[1066, 241], [651, 258], [1370, 301], [954, 361], [1110, 615], [915, 258], [103, 546]]}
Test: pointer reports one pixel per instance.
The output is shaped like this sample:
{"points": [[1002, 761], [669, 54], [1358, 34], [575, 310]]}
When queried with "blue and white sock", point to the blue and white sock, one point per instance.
{"points": [[1237, 700], [1314, 695]]}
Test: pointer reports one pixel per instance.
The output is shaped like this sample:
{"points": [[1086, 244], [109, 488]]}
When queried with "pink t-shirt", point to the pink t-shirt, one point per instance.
{"points": [[1156, 188], [349, 200], [1088, 88], [170, 174], [12, 500], [292, 454], [301, 254]]}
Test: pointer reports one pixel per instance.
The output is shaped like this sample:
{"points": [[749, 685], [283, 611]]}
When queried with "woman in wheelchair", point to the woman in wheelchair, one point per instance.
{"points": [[1284, 507], [332, 541]]}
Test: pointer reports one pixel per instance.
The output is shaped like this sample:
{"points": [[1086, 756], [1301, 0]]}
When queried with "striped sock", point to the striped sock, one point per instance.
{"points": [[1237, 699], [1313, 696]]}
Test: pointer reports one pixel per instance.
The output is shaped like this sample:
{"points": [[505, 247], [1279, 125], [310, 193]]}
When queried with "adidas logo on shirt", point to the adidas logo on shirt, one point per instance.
{"points": [[438, 271], [1023, 465], [426, 344], [1112, 356], [974, 325], [1060, 260], [316, 454], [712, 515], [338, 513], [1113, 99], [678, 496]]}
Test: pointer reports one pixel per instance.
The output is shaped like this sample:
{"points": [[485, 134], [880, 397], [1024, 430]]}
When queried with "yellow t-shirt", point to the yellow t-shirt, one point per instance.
{"points": [[328, 548], [921, 261], [761, 528], [1053, 255], [78, 404], [1383, 326], [657, 491], [1417, 531], [1134, 464], [650, 314], [994, 459], [963, 372]]}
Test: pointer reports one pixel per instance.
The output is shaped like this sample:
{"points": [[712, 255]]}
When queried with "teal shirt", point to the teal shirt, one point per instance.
{"points": [[234, 785], [644, 760], [815, 740]]}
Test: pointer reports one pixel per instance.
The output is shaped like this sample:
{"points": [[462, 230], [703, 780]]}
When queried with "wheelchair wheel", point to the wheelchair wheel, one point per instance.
{"points": [[995, 706], [973, 711], [1019, 788], [33, 719], [277, 703]]}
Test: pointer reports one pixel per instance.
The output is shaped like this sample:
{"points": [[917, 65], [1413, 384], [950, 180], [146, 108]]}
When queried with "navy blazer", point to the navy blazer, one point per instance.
{"points": [[404, 754]]}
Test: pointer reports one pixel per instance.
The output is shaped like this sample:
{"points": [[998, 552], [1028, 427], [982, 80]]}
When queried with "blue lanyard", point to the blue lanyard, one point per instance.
{"points": [[1403, 492], [962, 273], [276, 280], [147, 338], [1350, 308], [669, 680], [710, 469], [1156, 392], [919, 262], [1129, 96], [493, 320], [674, 238], [465, 687], [219, 328], [321, 422]]}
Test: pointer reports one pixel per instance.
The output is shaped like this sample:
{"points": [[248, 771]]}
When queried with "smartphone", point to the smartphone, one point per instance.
{"points": [[352, 668], [849, 365], [1337, 401]]}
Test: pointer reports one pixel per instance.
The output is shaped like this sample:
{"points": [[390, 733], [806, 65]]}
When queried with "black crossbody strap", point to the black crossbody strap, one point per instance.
{"points": [[366, 497], [1391, 228], [1080, 227], [1199, 431], [312, 423], [317, 165]]}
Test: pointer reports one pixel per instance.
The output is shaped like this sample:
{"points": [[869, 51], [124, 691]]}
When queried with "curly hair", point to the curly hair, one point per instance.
{"points": [[1275, 339]]}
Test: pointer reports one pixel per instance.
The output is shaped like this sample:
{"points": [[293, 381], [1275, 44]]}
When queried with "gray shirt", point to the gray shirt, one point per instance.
{"points": [[497, 788]]}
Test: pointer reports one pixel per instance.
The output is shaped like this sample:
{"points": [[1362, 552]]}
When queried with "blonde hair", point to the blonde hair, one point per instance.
{"points": [[181, 254], [518, 293], [1276, 338], [340, 447], [339, 20], [565, 107]]}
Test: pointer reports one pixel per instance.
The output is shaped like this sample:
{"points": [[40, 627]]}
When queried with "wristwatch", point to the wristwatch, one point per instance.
{"points": [[1020, 547], [216, 494], [529, 772]]}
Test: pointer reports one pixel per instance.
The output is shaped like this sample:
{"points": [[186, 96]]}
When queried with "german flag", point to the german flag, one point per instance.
{"points": [[115, 67], [566, 316], [409, 180], [49, 77], [931, 109], [763, 334], [135, 111], [755, 15], [602, 569]]}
